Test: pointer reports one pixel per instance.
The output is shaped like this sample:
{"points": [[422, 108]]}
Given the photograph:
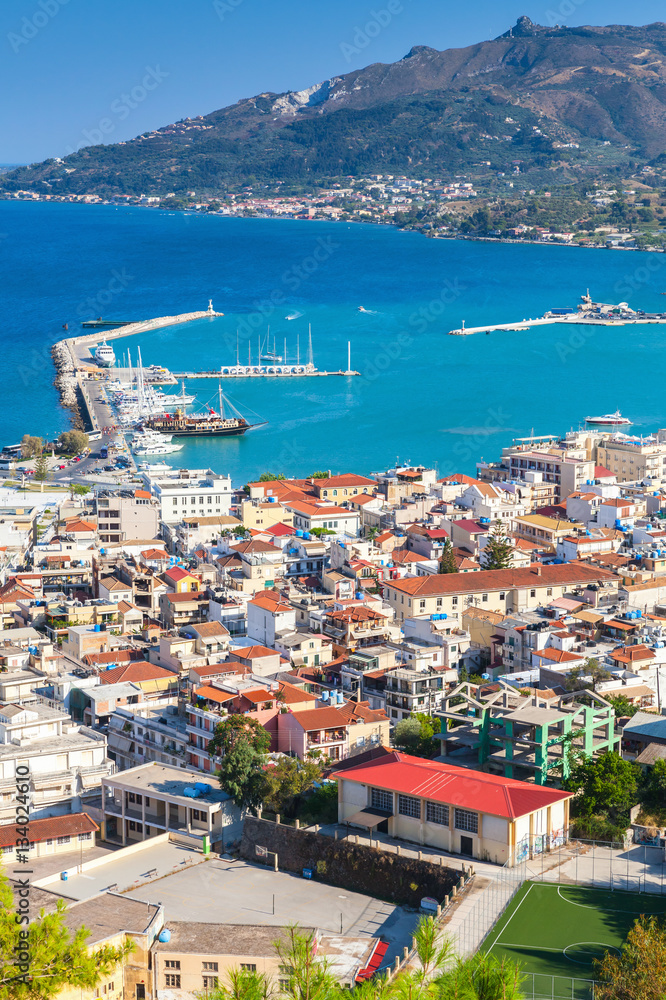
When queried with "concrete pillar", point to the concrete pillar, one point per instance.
{"points": [[439, 910], [122, 812], [277, 818], [420, 855], [397, 962], [453, 892], [335, 834], [297, 824], [143, 817], [397, 850], [405, 952], [447, 900]]}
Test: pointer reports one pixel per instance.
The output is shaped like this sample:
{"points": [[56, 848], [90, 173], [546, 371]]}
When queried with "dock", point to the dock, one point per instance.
{"points": [[588, 313], [262, 371]]}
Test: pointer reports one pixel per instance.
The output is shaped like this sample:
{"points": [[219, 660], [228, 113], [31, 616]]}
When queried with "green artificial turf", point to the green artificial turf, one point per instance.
{"points": [[558, 930]]}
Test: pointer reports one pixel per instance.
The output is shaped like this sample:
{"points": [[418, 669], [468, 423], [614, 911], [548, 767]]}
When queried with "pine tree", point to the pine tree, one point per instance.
{"points": [[498, 550], [41, 468], [447, 563]]}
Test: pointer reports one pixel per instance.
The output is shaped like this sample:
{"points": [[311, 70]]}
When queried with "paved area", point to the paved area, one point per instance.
{"points": [[126, 873], [239, 893], [56, 863]]}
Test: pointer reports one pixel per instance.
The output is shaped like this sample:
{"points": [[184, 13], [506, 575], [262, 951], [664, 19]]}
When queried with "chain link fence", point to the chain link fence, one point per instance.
{"points": [[636, 868], [541, 987]]}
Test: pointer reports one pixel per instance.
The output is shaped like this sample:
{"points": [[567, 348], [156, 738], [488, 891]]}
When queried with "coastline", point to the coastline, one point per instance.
{"points": [[418, 230]]}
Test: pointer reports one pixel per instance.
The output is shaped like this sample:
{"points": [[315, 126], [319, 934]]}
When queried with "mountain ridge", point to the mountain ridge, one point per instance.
{"points": [[430, 113]]}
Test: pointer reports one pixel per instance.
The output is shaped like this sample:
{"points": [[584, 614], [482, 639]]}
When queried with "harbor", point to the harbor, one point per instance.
{"points": [[587, 313]]}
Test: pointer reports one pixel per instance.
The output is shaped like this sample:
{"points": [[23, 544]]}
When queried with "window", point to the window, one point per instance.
{"points": [[409, 806], [209, 966], [210, 982], [454, 602], [173, 963], [248, 966], [549, 592], [484, 597], [171, 980], [466, 820], [380, 799], [422, 605], [502, 595], [64, 840], [439, 602], [8, 849], [532, 593], [286, 970], [85, 836], [436, 813]]}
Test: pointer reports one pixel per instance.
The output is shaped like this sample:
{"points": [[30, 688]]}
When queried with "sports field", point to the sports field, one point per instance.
{"points": [[558, 930]]}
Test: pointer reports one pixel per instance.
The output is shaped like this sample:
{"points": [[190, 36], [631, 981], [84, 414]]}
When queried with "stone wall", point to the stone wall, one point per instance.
{"points": [[357, 867]]}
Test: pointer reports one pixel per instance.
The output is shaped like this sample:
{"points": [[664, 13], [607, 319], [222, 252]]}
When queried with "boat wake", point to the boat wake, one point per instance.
{"points": [[294, 315]]}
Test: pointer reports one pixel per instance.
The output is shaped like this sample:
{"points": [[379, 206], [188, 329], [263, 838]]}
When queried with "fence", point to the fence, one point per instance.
{"points": [[636, 868], [541, 987], [477, 914]]}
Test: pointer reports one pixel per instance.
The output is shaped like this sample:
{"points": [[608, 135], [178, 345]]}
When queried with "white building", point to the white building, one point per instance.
{"points": [[183, 492]]}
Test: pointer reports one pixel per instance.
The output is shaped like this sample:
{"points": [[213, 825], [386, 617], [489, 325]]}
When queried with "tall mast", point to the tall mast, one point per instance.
{"points": [[219, 392], [236, 346], [284, 358], [310, 345], [298, 349], [349, 355]]}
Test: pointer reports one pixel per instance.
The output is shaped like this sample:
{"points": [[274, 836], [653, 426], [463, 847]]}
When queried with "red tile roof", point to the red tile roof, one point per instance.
{"points": [[456, 786], [321, 718], [566, 574], [49, 828], [136, 673], [214, 694], [253, 652]]}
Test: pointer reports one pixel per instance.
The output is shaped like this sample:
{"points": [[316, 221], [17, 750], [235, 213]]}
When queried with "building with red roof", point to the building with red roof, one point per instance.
{"points": [[452, 808]]}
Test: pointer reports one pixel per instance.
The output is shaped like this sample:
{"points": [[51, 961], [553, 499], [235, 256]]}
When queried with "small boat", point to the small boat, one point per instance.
{"points": [[609, 420], [149, 442]]}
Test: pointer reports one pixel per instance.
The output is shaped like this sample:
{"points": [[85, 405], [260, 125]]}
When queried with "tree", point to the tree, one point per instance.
{"points": [[447, 563], [319, 475], [623, 706], [31, 446], [288, 781], [41, 468], [639, 972], [606, 785], [269, 477], [652, 784], [73, 442], [415, 735], [40, 959], [498, 551], [243, 743]]}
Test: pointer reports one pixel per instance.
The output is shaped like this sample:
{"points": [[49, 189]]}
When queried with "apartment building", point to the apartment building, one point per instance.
{"points": [[126, 515], [563, 471], [502, 590], [180, 492], [633, 458]]}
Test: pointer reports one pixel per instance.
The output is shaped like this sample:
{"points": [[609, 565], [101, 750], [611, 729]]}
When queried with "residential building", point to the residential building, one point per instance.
{"points": [[182, 492], [499, 590], [126, 515], [51, 836], [155, 798]]}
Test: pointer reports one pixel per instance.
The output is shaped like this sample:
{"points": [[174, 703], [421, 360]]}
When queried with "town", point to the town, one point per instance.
{"points": [[397, 686]]}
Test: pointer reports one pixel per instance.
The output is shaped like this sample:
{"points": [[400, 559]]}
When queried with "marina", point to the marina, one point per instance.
{"points": [[588, 313]]}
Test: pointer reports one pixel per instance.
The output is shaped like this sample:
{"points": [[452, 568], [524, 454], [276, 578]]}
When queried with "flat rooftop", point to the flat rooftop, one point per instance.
{"points": [[237, 939], [129, 872], [235, 892], [162, 781]]}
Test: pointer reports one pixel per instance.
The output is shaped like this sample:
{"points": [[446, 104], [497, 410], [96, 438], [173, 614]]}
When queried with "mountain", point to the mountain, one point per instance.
{"points": [[572, 98]]}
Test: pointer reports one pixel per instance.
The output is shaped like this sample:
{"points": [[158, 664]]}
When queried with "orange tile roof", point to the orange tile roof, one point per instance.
{"points": [[49, 828], [136, 673], [565, 574]]}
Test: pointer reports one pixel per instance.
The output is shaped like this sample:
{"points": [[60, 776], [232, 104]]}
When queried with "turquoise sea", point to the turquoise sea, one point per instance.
{"points": [[422, 397]]}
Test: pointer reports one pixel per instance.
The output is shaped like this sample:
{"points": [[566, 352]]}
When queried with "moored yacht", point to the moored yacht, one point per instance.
{"points": [[104, 355]]}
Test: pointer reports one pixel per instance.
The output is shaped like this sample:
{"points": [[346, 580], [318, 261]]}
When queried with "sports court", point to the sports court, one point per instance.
{"points": [[558, 930]]}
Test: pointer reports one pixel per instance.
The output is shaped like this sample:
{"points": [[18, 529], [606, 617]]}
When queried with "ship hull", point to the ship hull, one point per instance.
{"points": [[183, 429]]}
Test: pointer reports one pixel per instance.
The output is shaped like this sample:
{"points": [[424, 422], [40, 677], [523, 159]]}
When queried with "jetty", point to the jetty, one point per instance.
{"points": [[263, 371], [588, 313]]}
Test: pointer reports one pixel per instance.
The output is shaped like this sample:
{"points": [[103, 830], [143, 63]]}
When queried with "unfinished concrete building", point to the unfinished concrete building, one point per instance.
{"points": [[524, 735]]}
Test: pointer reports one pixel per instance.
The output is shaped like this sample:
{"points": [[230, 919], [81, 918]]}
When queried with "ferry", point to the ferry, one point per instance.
{"points": [[609, 420], [104, 355]]}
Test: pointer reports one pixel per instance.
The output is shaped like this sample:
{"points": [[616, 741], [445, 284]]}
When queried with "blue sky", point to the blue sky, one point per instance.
{"points": [[74, 69]]}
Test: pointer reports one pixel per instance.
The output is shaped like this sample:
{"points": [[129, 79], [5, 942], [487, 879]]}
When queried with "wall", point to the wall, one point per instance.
{"points": [[403, 881]]}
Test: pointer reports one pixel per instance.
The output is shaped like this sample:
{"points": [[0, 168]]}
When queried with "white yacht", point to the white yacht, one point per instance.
{"points": [[104, 355], [147, 442]]}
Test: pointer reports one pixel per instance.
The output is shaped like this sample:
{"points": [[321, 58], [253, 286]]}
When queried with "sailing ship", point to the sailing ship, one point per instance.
{"points": [[211, 424]]}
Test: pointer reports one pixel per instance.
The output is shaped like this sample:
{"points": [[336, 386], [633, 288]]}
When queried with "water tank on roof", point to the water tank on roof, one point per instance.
{"points": [[190, 793], [639, 614], [164, 936], [359, 595], [202, 787], [324, 696], [102, 552], [299, 533]]}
